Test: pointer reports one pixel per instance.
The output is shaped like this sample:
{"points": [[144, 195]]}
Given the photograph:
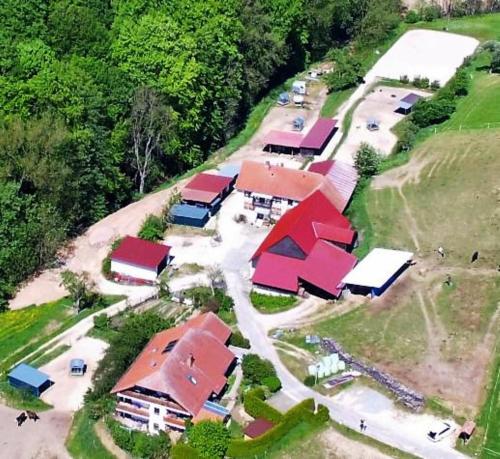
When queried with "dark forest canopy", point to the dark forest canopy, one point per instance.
{"points": [[84, 84]]}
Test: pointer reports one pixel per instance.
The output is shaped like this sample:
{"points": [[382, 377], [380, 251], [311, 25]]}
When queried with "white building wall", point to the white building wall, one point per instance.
{"points": [[133, 271]]}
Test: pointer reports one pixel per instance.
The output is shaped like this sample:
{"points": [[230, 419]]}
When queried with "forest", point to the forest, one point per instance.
{"points": [[103, 100]]}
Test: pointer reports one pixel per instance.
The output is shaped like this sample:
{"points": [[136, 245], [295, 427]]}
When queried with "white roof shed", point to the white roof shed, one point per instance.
{"points": [[377, 268]]}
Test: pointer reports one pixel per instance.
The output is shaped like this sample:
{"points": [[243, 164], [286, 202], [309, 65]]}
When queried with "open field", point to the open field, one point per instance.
{"points": [[23, 331]]}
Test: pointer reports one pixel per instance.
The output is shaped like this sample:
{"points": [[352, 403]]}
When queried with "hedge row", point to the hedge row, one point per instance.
{"points": [[303, 412], [256, 407], [184, 451]]}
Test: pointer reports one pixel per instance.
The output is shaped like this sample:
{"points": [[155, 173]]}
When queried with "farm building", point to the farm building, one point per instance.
{"points": [[306, 248], [186, 214], [26, 377], [179, 375], [406, 103], [207, 190], [318, 136], [138, 259], [377, 271], [343, 176], [271, 190], [282, 142]]}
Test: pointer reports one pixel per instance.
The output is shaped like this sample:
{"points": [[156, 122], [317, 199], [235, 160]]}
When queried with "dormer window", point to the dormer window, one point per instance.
{"points": [[192, 379], [170, 346]]}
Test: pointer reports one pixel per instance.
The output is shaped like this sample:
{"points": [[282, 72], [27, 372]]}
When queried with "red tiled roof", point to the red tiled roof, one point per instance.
{"points": [[191, 370], [319, 133], [139, 252], [285, 139], [277, 271], [326, 266], [343, 177], [277, 181], [199, 195], [315, 217], [257, 428], [209, 182]]}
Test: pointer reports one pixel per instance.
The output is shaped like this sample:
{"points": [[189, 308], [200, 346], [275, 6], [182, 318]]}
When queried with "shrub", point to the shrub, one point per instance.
{"points": [[152, 229], [347, 70], [256, 407], [412, 17], [416, 81], [102, 321], [435, 85], [459, 85], [407, 136], [106, 263], [495, 61], [404, 79], [271, 302], [238, 340], [431, 12], [255, 369], [310, 380], [434, 111], [367, 161], [273, 383], [210, 439]]}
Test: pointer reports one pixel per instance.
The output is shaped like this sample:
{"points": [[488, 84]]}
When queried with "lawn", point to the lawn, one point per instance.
{"points": [[489, 418], [270, 304], [21, 399], [82, 442], [486, 27], [334, 100], [43, 358], [23, 331]]}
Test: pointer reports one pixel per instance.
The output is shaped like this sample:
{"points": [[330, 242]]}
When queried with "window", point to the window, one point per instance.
{"points": [[277, 200], [157, 410], [156, 426], [248, 194], [290, 202]]}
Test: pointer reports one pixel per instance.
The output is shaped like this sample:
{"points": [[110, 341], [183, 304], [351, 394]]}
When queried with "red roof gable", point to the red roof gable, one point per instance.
{"points": [[277, 271], [139, 252], [326, 266], [321, 167], [319, 133], [191, 370], [299, 224], [282, 138], [209, 182]]}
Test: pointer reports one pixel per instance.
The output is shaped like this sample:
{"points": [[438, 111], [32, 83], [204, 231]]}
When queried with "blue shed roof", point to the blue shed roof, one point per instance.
{"points": [[29, 375], [230, 170], [77, 363], [186, 210]]}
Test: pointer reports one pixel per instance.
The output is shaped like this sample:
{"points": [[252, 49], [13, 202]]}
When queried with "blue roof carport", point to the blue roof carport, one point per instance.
{"points": [[26, 377], [189, 215]]}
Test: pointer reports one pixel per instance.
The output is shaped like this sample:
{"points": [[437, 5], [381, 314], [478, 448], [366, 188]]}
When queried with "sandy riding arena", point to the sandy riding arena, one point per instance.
{"points": [[380, 104], [425, 53]]}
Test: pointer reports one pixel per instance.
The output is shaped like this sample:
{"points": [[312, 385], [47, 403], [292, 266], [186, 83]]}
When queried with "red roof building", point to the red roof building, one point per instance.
{"points": [[181, 370], [318, 136], [278, 272], [206, 188], [139, 259], [282, 141]]}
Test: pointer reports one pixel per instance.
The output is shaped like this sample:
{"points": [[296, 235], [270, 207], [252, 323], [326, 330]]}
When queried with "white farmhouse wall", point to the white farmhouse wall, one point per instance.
{"points": [[133, 271]]}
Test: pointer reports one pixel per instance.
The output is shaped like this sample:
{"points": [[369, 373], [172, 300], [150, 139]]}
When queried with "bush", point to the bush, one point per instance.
{"points": [[435, 85], [256, 369], [271, 303], [495, 61], [106, 263], [367, 161], [404, 79], [210, 439], [431, 12], [412, 17], [459, 85], [434, 111], [273, 383], [152, 229], [102, 321], [347, 70], [407, 136], [421, 82], [238, 340], [256, 407], [310, 381]]}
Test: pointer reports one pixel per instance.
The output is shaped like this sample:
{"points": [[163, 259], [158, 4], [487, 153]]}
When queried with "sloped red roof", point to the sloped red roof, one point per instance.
{"points": [[139, 252], [319, 133], [326, 266], [321, 167], [191, 370], [205, 187], [283, 138], [314, 218], [277, 271], [258, 427]]}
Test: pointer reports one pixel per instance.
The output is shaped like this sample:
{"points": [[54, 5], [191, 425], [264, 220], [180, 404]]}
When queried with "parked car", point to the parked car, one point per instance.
{"points": [[440, 430]]}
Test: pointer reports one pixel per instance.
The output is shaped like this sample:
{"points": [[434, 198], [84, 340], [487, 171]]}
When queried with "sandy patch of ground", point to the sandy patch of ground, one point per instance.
{"points": [[425, 53], [380, 104], [43, 439], [68, 391]]}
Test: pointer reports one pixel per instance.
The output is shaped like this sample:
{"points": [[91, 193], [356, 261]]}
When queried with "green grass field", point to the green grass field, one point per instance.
{"points": [[485, 27], [270, 304], [23, 331]]}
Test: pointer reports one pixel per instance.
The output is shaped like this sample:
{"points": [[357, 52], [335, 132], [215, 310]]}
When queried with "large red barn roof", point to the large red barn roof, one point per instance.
{"points": [[283, 138], [314, 218], [319, 133], [277, 271], [138, 252], [205, 187]]}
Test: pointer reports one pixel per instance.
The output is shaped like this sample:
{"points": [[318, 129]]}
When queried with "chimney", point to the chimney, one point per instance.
{"points": [[190, 360]]}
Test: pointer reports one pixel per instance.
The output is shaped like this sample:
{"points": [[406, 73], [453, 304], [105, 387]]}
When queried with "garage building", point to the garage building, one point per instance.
{"points": [[189, 215], [25, 377], [283, 142], [406, 103], [207, 190], [139, 259], [377, 271], [318, 136]]}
